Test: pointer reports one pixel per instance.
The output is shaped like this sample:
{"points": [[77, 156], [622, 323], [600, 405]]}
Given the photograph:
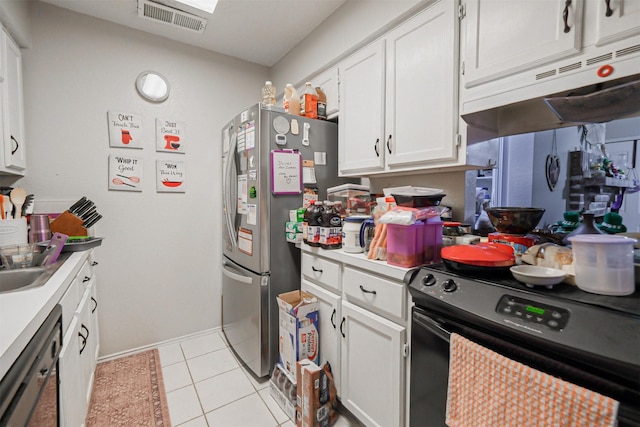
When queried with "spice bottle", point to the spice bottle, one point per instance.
{"points": [[322, 104]]}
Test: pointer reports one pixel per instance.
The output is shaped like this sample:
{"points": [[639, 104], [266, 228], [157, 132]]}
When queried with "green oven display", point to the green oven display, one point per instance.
{"points": [[535, 310]]}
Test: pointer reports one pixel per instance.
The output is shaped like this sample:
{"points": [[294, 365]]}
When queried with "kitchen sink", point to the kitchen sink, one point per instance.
{"points": [[24, 278]]}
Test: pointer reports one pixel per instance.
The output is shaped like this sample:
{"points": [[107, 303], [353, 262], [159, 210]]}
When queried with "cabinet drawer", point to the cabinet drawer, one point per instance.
{"points": [[69, 303], [84, 275], [322, 271], [379, 295]]}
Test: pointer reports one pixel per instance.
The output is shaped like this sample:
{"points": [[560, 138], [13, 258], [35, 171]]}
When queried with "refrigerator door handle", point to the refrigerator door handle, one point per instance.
{"points": [[234, 276], [229, 209]]}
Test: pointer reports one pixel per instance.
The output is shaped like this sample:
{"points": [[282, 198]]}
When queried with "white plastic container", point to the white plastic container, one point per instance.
{"points": [[290, 100], [13, 231], [604, 263], [351, 234]]}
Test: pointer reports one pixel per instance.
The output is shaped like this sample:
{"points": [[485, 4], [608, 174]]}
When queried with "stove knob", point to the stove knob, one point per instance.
{"points": [[449, 285], [429, 280]]}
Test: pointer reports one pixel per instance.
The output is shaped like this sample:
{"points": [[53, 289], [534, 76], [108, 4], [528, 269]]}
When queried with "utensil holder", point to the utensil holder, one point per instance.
{"points": [[69, 224]]}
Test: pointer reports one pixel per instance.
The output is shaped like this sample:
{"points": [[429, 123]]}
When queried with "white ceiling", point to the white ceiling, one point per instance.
{"points": [[259, 31]]}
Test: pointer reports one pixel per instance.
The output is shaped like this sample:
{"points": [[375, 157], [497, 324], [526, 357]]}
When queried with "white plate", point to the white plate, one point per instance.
{"points": [[533, 275]]}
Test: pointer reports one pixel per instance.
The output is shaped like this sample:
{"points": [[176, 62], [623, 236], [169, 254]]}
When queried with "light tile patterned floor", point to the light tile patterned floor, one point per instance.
{"points": [[207, 386]]}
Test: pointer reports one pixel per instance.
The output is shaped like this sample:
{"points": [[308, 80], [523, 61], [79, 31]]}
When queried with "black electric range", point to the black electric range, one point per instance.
{"points": [[629, 304], [587, 339]]}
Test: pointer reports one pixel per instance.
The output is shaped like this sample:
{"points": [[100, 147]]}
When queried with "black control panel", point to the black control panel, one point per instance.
{"points": [[555, 318]]}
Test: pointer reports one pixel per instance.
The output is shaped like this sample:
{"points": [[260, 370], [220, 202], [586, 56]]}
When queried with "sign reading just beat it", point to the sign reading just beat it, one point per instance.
{"points": [[170, 136]]}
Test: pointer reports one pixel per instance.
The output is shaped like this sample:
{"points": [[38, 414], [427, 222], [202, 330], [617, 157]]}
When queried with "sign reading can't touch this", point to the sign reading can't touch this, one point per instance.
{"points": [[125, 129]]}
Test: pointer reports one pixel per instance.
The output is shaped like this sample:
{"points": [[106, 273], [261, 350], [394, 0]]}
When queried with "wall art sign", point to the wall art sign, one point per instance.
{"points": [[125, 129], [170, 136], [125, 173], [170, 176]]}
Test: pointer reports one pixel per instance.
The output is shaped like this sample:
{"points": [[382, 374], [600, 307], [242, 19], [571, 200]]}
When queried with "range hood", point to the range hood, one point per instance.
{"points": [[596, 103]]}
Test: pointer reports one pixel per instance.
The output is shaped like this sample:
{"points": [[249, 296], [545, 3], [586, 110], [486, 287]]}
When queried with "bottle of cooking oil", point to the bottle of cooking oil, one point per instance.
{"points": [[290, 100], [268, 94], [309, 102], [322, 104]]}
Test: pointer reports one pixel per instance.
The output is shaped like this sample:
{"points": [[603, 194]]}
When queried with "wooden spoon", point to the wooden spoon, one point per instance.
{"points": [[18, 196]]}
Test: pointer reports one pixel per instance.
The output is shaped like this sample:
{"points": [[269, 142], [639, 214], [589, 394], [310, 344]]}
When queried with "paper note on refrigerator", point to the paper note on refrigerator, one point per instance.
{"points": [[242, 194]]}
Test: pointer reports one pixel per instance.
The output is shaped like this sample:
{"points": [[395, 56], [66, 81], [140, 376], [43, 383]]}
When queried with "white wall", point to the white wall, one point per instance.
{"points": [[158, 272], [350, 27], [555, 202], [15, 16]]}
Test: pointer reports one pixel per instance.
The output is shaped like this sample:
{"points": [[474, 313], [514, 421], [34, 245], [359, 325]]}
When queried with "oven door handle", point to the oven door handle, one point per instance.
{"points": [[432, 326]]}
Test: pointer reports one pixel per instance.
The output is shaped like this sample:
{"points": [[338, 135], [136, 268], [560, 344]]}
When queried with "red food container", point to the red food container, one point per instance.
{"points": [[519, 243]]}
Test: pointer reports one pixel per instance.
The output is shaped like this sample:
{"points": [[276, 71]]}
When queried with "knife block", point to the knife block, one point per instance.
{"points": [[69, 224]]}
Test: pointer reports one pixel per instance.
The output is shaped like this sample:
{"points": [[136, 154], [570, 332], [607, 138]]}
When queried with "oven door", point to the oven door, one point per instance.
{"points": [[430, 368]]}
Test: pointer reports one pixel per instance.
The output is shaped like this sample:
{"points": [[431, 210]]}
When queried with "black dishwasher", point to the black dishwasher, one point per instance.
{"points": [[29, 391]]}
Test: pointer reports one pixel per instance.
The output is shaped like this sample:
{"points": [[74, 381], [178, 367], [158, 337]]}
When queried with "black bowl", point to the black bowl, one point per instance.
{"points": [[515, 220], [415, 201]]}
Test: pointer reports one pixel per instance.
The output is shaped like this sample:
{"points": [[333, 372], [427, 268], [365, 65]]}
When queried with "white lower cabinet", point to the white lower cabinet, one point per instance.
{"points": [[373, 367], [330, 314], [79, 354], [73, 406], [363, 333]]}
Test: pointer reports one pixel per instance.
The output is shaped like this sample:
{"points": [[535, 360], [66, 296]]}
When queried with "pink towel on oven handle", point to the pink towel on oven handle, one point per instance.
{"points": [[487, 389]]}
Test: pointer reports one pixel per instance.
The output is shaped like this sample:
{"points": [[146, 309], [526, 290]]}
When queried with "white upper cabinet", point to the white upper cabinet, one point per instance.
{"points": [[361, 124], [515, 51], [328, 81], [13, 154], [616, 20], [506, 37], [398, 97], [421, 89]]}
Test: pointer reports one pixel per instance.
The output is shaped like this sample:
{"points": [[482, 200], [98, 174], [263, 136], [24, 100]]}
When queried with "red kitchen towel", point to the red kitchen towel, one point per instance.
{"points": [[487, 389]]}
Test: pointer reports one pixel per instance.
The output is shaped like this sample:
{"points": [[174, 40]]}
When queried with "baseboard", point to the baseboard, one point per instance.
{"points": [[137, 350]]}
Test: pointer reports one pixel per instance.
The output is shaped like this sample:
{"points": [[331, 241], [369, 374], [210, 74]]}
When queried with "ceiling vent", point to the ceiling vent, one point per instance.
{"points": [[170, 16]]}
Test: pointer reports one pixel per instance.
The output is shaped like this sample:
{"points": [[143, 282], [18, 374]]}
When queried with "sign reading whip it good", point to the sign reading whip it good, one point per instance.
{"points": [[125, 129]]}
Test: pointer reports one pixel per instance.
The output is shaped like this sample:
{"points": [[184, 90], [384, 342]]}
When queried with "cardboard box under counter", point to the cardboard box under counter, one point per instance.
{"points": [[298, 332]]}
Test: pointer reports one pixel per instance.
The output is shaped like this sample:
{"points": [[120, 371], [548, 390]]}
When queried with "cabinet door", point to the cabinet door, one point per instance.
{"points": [[373, 386], [361, 124], [421, 88], [72, 397], [329, 318], [623, 20], [507, 37], [328, 81], [12, 110], [85, 334], [94, 339]]}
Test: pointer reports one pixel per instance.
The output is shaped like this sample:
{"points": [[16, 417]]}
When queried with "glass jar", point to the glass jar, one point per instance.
{"points": [[451, 230]]}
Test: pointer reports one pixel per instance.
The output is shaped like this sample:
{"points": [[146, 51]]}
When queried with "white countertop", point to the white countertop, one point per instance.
{"points": [[22, 312], [359, 260]]}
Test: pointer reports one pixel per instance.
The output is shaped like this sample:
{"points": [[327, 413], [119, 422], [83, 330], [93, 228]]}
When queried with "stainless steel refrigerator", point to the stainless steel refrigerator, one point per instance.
{"points": [[263, 178]]}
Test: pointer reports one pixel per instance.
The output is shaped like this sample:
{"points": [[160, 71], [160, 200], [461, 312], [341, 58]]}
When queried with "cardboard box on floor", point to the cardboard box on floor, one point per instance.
{"points": [[298, 329], [315, 402]]}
